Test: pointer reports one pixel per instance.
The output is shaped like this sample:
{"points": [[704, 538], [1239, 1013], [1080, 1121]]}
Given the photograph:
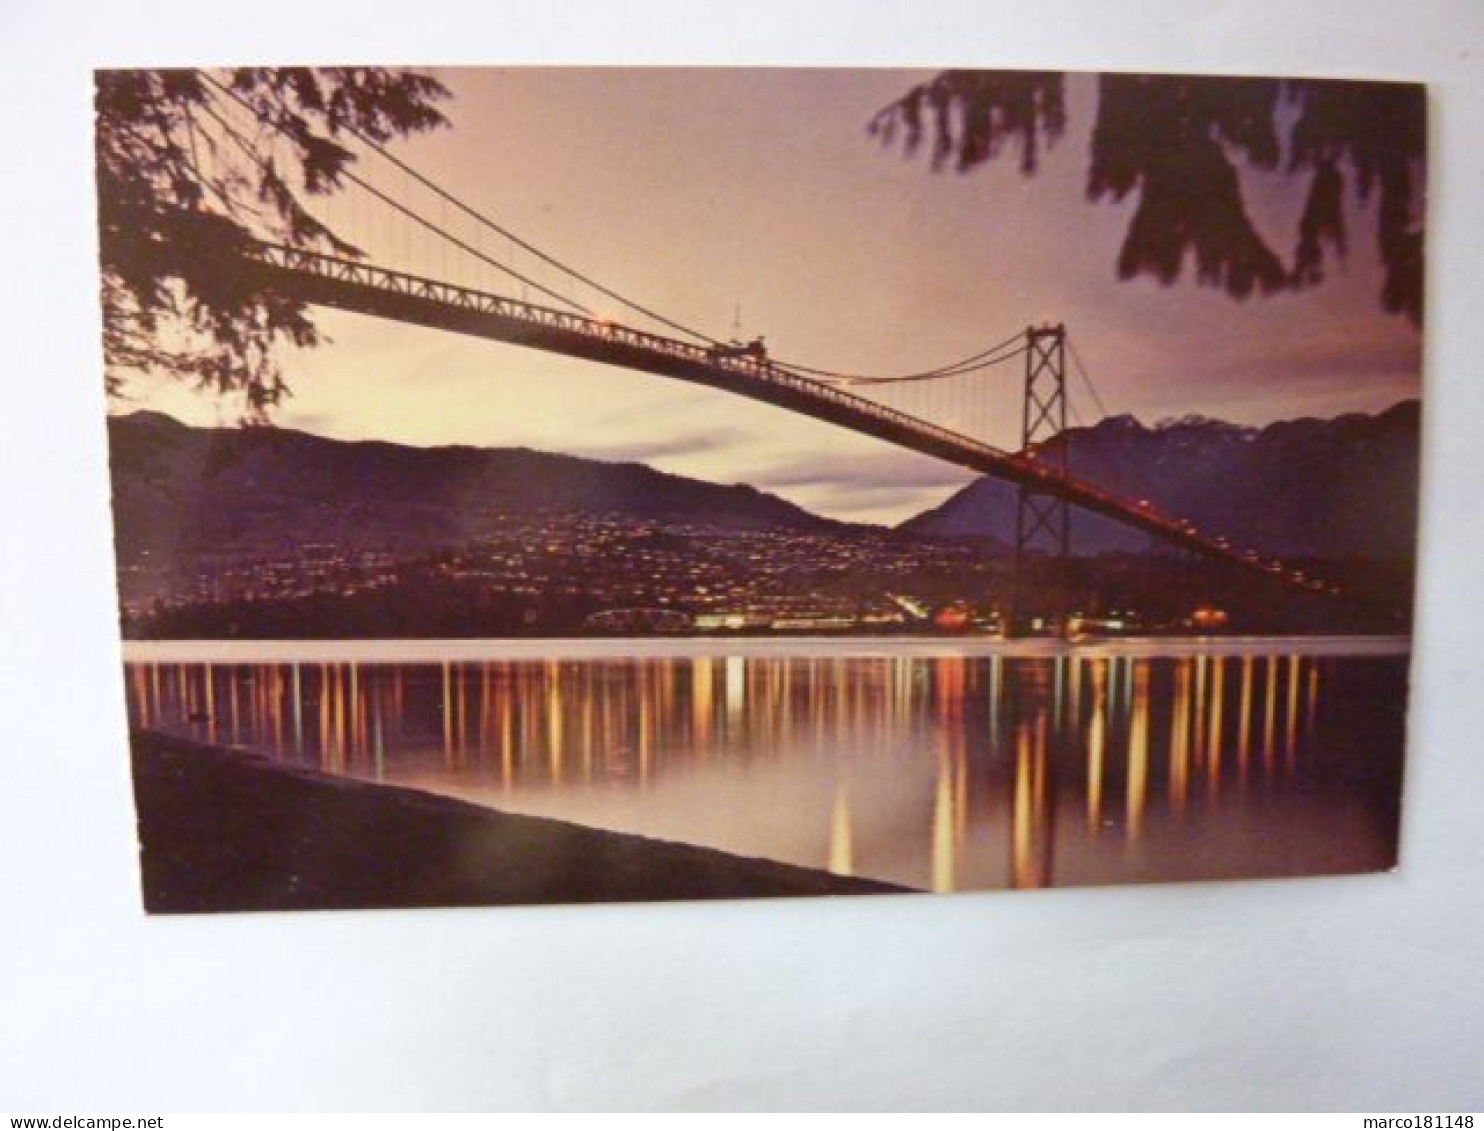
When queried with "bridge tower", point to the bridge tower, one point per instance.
{"points": [[1043, 521]]}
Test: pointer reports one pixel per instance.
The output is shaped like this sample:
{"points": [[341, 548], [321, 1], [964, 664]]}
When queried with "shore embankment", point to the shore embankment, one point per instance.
{"points": [[225, 830]]}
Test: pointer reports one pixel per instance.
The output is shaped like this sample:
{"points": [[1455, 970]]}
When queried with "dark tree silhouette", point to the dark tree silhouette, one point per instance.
{"points": [[1178, 141], [181, 183]]}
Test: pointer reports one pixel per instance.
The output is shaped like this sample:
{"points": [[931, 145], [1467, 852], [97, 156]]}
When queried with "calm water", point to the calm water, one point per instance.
{"points": [[941, 772]]}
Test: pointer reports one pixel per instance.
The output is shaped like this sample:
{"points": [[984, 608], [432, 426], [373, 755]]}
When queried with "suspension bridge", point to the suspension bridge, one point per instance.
{"points": [[471, 264]]}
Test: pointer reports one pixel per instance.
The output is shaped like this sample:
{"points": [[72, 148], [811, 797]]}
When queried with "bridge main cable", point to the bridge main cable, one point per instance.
{"points": [[382, 196], [478, 216], [981, 360]]}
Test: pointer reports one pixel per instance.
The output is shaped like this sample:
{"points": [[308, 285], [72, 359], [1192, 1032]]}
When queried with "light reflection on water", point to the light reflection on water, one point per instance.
{"points": [[935, 772]]}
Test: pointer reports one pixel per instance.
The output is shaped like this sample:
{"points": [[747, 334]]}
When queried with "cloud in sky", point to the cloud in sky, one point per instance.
{"points": [[879, 486], [897, 468], [886, 504], [644, 450]]}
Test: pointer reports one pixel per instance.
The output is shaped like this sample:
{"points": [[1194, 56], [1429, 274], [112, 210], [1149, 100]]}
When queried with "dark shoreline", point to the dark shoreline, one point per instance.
{"points": [[224, 830]]}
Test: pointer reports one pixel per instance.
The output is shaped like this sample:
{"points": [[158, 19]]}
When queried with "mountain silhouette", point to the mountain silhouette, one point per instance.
{"points": [[184, 491], [1345, 487]]}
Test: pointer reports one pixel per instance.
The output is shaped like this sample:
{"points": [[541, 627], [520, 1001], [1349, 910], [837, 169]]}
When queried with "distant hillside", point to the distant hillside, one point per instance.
{"points": [[181, 491], [1299, 488]]}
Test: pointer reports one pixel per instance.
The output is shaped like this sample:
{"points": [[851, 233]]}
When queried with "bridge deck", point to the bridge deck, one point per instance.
{"points": [[362, 288]]}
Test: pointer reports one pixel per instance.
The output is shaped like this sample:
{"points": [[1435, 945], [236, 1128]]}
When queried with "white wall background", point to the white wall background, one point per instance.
{"points": [[1361, 993]]}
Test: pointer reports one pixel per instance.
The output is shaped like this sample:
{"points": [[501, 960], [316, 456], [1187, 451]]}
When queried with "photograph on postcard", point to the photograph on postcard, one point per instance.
{"points": [[552, 485]]}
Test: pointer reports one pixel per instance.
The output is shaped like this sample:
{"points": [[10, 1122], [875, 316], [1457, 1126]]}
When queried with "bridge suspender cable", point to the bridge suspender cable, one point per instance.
{"points": [[438, 190], [376, 192], [982, 360], [475, 214], [1087, 379]]}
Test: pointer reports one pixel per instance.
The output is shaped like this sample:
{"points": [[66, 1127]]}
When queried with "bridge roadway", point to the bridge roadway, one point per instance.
{"points": [[324, 280]]}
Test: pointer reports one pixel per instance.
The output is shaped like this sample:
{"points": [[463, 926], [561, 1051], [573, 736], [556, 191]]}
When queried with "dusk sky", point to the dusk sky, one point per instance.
{"points": [[701, 191]]}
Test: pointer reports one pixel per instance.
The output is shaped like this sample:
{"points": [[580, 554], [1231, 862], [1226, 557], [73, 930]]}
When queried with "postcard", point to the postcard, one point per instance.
{"points": [[562, 485]]}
